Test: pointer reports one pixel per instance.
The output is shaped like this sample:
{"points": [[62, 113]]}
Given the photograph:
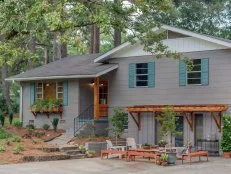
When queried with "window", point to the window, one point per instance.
{"points": [[126, 125], [49, 90], [142, 74], [194, 76]]}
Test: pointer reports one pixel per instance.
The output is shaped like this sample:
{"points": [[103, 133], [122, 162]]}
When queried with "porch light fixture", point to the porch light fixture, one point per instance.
{"points": [[92, 83]]}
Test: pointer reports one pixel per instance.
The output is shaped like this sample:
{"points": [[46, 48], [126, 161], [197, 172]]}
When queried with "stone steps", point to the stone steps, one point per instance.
{"points": [[68, 148], [77, 156], [73, 152]]}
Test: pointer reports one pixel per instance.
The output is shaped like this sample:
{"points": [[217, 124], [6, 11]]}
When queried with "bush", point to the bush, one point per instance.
{"points": [[4, 134], [18, 124], [16, 139], [19, 148], [2, 149], [226, 133], [91, 152], [55, 123], [46, 126], [7, 142], [2, 120], [39, 134], [30, 126], [82, 149]]}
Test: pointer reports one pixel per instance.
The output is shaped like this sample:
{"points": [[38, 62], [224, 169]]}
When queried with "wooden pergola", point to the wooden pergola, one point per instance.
{"points": [[185, 110]]}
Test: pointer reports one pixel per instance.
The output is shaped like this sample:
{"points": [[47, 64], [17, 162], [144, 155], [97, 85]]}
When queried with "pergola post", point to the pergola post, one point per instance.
{"points": [[217, 119], [138, 122]]}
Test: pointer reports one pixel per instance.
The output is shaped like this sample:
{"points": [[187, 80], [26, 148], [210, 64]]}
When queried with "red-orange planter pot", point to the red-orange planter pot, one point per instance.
{"points": [[227, 154]]}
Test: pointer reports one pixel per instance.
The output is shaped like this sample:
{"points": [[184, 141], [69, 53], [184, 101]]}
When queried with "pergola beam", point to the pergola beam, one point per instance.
{"points": [[189, 119], [217, 120], [138, 122]]}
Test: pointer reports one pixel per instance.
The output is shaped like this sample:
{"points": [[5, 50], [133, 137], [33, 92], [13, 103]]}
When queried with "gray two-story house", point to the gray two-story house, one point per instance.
{"points": [[91, 86]]}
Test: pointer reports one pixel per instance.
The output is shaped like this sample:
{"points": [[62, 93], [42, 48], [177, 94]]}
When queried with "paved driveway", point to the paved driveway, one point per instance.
{"points": [[114, 166]]}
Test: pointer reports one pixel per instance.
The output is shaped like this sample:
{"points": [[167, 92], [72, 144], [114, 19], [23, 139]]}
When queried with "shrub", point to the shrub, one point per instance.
{"points": [[55, 123], [2, 149], [226, 133], [91, 152], [7, 142], [2, 120], [82, 149], [46, 126], [18, 124], [39, 134], [30, 132], [16, 139], [11, 117], [4, 134], [19, 148], [30, 126]]}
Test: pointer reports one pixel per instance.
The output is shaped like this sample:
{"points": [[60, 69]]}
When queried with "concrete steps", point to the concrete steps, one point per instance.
{"points": [[73, 152]]}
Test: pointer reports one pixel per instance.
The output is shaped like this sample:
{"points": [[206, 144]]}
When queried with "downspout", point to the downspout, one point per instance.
{"points": [[21, 105]]}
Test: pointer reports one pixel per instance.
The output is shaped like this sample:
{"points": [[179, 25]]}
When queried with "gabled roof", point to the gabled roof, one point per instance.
{"points": [[70, 67], [216, 40]]}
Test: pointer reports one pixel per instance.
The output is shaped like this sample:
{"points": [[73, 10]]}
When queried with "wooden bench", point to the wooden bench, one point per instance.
{"points": [[195, 154], [107, 152], [132, 154]]}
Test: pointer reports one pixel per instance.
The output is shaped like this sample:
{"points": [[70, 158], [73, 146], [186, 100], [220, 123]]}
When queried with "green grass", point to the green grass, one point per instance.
{"points": [[4, 134], [14, 120]]}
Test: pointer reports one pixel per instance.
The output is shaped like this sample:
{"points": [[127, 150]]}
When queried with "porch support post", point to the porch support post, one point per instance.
{"points": [[136, 121], [217, 120], [189, 119], [96, 98]]}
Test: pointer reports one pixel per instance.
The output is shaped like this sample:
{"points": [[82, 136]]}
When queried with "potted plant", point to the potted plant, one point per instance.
{"points": [[168, 129], [162, 143], [226, 136], [91, 153], [146, 146], [163, 159]]}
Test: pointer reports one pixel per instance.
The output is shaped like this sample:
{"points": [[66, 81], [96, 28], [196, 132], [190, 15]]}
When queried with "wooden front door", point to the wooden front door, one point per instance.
{"points": [[100, 98]]}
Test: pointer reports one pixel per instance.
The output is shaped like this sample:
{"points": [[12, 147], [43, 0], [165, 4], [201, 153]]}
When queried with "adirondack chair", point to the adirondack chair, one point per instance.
{"points": [[110, 146], [131, 143]]}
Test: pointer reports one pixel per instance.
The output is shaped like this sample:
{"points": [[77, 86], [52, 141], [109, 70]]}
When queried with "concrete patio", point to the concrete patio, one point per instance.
{"points": [[114, 166]]}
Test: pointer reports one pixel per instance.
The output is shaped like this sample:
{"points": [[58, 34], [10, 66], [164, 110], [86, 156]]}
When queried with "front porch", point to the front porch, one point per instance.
{"points": [[200, 124]]}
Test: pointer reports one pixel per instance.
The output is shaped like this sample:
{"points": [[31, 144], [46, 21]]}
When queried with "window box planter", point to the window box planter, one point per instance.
{"points": [[47, 111]]}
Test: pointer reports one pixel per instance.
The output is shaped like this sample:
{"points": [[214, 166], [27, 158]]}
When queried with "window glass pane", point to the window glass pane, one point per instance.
{"points": [[141, 71], [196, 68], [141, 65], [60, 95], [141, 83], [141, 77], [196, 61], [194, 75], [194, 81]]}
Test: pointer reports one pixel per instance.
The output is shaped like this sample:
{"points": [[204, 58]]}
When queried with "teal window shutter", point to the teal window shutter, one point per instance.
{"points": [[205, 71], [151, 74], [182, 73], [131, 78], [65, 93], [32, 93]]}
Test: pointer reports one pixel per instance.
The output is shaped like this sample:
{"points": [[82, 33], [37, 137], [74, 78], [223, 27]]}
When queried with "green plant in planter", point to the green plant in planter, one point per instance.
{"points": [[91, 153], [162, 143], [82, 149], [164, 159], [226, 133], [55, 123], [168, 129], [146, 146]]}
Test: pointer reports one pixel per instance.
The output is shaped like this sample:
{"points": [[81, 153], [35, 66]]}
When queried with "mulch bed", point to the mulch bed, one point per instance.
{"points": [[32, 145]]}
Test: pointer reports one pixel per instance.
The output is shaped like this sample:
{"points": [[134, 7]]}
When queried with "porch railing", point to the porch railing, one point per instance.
{"points": [[83, 119]]}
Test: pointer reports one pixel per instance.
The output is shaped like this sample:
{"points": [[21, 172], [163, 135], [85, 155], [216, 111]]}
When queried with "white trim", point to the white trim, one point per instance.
{"points": [[112, 51], [21, 105], [64, 77], [165, 27]]}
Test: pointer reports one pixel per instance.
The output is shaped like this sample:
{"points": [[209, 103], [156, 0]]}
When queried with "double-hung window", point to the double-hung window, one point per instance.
{"points": [[142, 74], [194, 76], [49, 90]]}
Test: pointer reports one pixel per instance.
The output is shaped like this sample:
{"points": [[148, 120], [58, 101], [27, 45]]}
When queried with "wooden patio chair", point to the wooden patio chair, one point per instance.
{"points": [[131, 143]]}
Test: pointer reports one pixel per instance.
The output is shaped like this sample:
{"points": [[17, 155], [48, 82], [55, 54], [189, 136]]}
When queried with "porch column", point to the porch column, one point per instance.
{"points": [[96, 98]]}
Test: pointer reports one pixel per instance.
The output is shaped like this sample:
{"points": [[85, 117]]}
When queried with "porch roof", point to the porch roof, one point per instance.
{"points": [[179, 108], [67, 68]]}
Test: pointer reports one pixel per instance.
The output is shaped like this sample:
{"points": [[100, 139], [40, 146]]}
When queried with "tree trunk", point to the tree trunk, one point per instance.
{"points": [[5, 84], [117, 38], [117, 34], [95, 40], [63, 50], [46, 55], [32, 47]]}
